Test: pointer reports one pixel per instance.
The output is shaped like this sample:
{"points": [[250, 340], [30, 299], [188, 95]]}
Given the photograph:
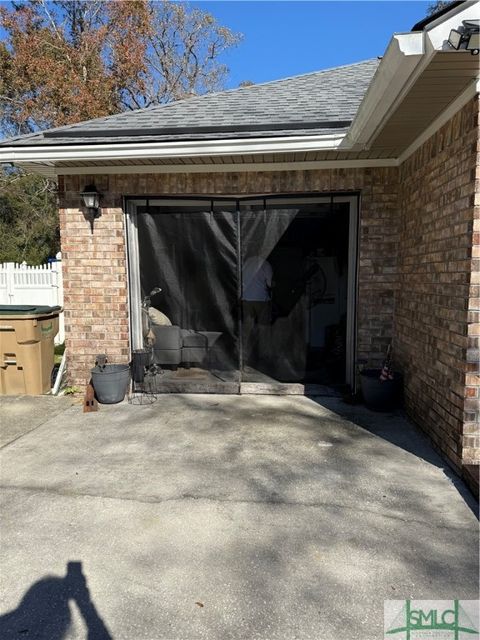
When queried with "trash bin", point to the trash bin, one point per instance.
{"points": [[27, 348]]}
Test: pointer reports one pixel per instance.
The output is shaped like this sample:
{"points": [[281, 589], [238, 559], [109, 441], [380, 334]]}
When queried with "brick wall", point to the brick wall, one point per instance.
{"points": [[437, 324], [95, 290], [95, 269], [471, 437]]}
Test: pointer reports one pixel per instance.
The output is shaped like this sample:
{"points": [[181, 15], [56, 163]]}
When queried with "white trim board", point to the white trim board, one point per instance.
{"points": [[133, 276]]}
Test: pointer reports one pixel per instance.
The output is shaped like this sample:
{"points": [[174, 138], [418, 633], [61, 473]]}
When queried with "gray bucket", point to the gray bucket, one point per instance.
{"points": [[111, 382]]}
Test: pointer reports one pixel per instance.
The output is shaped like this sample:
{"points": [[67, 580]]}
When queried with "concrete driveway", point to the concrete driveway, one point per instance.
{"points": [[223, 517]]}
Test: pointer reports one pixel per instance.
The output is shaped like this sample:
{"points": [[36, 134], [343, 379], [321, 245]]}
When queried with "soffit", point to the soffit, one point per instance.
{"points": [[442, 81]]}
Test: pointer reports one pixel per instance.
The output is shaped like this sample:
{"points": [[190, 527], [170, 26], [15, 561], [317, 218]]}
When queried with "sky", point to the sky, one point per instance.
{"points": [[289, 37], [283, 39]]}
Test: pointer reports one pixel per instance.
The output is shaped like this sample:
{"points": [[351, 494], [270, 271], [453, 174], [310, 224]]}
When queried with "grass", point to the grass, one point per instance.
{"points": [[59, 349]]}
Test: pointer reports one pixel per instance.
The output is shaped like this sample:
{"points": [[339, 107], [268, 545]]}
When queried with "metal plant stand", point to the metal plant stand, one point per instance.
{"points": [[144, 378]]}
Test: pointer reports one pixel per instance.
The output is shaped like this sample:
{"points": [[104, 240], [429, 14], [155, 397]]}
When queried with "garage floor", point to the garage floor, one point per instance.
{"points": [[228, 517]]}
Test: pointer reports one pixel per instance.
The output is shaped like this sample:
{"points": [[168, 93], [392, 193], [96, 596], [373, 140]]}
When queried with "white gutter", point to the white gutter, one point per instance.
{"points": [[58, 379], [198, 148], [397, 68], [406, 57]]}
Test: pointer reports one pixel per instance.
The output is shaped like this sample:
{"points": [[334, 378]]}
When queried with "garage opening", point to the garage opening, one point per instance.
{"points": [[249, 295]]}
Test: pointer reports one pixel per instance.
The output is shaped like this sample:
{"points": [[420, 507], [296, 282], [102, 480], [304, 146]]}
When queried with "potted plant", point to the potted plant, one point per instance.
{"points": [[110, 381], [382, 388]]}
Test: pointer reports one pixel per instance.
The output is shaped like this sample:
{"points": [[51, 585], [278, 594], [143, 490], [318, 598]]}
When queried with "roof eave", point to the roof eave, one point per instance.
{"points": [[396, 70], [178, 149], [406, 57]]}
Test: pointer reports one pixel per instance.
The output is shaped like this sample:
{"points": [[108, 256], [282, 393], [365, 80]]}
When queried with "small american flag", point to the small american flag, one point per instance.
{"points": [[387, 373]]}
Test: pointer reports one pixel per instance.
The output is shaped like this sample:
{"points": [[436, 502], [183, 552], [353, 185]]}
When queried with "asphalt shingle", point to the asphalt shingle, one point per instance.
{"points": [[319, 102]]}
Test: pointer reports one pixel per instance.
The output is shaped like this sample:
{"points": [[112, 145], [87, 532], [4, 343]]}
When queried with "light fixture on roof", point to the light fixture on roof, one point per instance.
{"points": [[473, 43], [91, 200], [466, 37]]}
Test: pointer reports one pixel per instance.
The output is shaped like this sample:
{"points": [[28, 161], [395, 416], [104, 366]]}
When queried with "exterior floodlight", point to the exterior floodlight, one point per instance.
{"points": [[466, 37], [473, 44], [91, 200], [455, 38]]}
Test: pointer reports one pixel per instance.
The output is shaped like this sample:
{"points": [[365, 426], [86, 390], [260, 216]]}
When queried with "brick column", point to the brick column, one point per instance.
{"points": [[95, 284]]}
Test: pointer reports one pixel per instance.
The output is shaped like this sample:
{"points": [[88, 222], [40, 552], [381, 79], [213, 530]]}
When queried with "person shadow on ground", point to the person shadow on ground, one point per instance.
{"points": [[44, 612]]}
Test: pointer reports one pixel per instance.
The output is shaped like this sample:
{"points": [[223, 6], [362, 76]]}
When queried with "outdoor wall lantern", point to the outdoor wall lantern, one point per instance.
{"points": [[91, 200], [466, 37]]}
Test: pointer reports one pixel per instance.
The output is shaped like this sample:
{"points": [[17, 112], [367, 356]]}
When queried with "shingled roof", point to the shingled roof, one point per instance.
{"points": [[322, 102]]}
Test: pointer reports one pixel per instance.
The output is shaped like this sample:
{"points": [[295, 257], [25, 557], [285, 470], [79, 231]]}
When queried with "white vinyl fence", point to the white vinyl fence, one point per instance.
{"points": [[42, 285]]}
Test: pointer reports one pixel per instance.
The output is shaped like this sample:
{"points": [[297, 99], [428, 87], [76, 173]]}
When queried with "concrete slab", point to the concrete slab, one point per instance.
{"points": [[226, 517], [21, 414]]}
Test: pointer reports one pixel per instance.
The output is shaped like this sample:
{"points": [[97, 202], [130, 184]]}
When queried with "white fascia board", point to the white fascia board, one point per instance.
{"points": [[394, 74], [201, 148]]}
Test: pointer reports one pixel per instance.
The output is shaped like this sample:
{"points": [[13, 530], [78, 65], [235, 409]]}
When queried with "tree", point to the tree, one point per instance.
{"points": [[66, 61], [182, 49], [438, 6], [28, 218]]}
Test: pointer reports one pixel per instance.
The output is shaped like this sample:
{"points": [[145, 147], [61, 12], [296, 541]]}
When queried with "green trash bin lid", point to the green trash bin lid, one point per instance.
{"points": [[26, 310]]}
